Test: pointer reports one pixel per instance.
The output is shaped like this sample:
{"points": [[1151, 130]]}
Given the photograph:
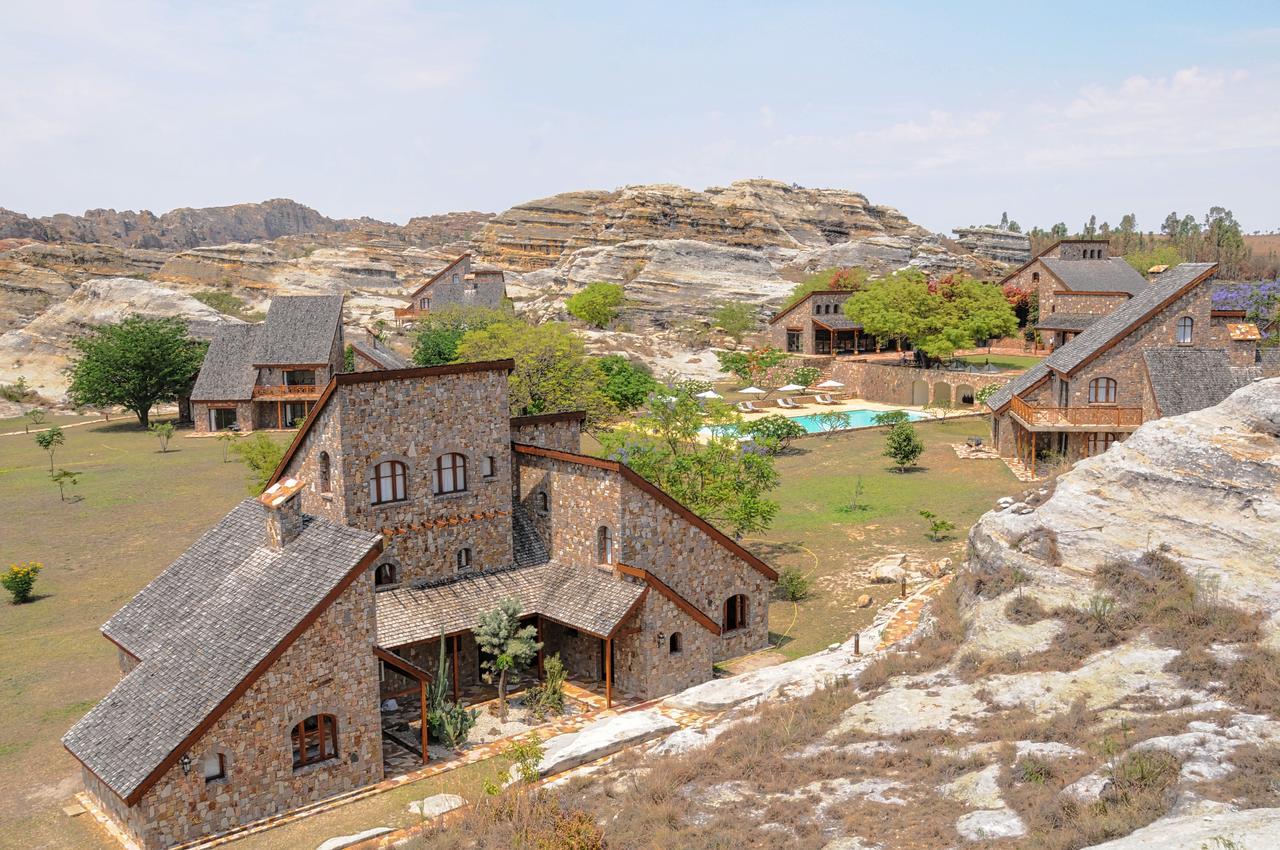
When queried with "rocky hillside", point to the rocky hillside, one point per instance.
{"points": [[1104, 673]]}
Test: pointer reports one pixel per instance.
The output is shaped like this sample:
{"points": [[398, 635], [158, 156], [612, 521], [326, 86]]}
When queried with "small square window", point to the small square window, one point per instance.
{"points": [[214, 767], [489, 467]]}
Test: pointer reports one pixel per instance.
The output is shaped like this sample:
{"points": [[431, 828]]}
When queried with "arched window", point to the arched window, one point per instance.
{"points": [[326, 486], [315, 740], [463, 559], [451, 473], [604, 545], [1102, 391], [1185, 326], [385, 574], [1098, 443], [388, 483], [1035, 277], [544, 502], [675, 644], [735, 612]]}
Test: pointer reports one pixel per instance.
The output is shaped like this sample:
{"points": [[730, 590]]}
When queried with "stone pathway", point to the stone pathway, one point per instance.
{"points": [[964, 451], [1019, 470], [906, 619]]}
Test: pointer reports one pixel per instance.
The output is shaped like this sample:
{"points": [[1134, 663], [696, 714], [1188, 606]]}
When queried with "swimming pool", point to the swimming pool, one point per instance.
{"points": [[811, 422]]}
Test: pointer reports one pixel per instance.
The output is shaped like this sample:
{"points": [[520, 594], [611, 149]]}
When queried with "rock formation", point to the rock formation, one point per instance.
{"points": [[1003, 246]]}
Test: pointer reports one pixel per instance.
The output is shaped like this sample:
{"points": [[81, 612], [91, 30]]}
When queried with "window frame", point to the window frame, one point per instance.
{"points": [[221, 775], [544, 502], [457, 470], [394, 570], [605, 546], [324, 736], [1103, 390], [326, 473], [735, 612], [488, 467], [1189, 324], [463, 559], [1105, 439], [675, 644], [398, 473]]}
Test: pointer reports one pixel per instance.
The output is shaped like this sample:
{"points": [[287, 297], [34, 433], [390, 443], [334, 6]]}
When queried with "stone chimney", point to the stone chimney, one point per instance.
{"points": [[284, 512]]}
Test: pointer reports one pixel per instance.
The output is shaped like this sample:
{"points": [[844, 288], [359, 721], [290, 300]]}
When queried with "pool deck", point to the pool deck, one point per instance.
{"points": [[846, 404]]}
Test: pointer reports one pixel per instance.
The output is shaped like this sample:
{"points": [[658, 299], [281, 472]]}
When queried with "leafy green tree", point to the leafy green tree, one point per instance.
{"points": [[804, 376], [49, 440], [1164, 255], [627, 384], [848, 279], [903, 445], [440, 332], [164, 433], [35, 416], [774, 432], [709, 473], [831, 421], [553, 372], [1225, 241], [137, 364], [896, 307], [262, 455], [751, 366], [735, 318], [65, 478], [597, 304], [890, 417], [349, 359], [506, 647]]}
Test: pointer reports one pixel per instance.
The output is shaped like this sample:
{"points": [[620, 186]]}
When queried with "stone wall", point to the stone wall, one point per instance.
{"points": [[1053, 300], [200, 414], [907, 385], [1074, 250], [330, 669], [643, 664], [553, 431], [414, 421]]}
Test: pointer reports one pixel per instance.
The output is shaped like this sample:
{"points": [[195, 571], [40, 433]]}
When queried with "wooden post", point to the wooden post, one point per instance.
{"points": [[857, 643], [608, 672], [540, 670], [426, 727], [455, 639], [279, 414], [903, 591]]}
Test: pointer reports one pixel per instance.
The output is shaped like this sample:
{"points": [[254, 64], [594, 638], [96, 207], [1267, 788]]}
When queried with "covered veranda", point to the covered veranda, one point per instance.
{"points": [[577, 612]]}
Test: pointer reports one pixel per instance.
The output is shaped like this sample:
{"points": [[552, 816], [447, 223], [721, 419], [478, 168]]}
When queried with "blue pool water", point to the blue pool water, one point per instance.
{"points": [[811, 423]]}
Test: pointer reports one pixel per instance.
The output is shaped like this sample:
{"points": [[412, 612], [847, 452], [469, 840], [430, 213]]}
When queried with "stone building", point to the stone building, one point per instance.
{"points": [[458, 284], [1162, 351], [368, 355], [408, 504], [1076, 282], [269, 375], [816, 325]]}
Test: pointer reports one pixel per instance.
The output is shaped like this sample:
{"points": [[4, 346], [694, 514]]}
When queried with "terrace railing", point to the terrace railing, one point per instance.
{"points": [[1090, 417], [287, 392]]}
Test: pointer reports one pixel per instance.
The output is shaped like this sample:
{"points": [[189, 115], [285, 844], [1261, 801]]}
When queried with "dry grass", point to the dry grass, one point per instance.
{"points": [[1255, 782], [934, 647], [1025, 610]]}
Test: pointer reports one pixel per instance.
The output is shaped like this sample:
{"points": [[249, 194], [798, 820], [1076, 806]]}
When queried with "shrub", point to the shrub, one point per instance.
{"points": [[164, 432], [19, 579], [525, 754], [805, 375], [939, 529], [891, 417], [903, 445], [775, 431], [547, 697], [262, 455], [985, 393], [735, 318], [793, 585], [597, 305], [65, 478], [626, 383], [225, 303], [18, 391]]}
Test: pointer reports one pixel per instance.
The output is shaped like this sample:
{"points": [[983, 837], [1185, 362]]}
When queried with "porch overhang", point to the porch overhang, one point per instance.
{"points": [[590, 600]]}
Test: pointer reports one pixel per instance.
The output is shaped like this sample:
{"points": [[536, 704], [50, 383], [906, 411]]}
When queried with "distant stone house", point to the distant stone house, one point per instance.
{"points": [[407, 505], [1076, 282], [817, 325], [458, 284], [370, 355], [269, 375], [1161, 351]]}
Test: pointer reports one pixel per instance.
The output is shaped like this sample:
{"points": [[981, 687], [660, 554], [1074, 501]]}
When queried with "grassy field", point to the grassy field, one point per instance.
{"points": [[1004, 361], [137, 509]]}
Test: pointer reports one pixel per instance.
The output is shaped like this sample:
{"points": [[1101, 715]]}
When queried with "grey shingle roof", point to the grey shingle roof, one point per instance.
{"points": [[837, 322], [228, 373], [526, 542], [584, 598], [200, 628], [1066, 321], [1188, 379], [379, 354], [1110, 275], [299, 329], [1101, 332]]}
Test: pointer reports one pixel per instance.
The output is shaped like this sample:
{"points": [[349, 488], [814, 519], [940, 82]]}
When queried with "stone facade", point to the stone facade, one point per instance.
{"points": [[801, 329], [202, 420], [330, 669], [891, 384], [458, 285], [560, 431]]}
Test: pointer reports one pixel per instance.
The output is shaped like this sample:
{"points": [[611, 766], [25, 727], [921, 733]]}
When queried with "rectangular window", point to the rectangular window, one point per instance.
{"points": [[300, 378], [222, 418], [214, 766], [488, 468], [294, 413], [794, 345]]}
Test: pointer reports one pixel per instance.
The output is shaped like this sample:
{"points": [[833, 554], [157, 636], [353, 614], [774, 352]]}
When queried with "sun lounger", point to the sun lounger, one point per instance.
{"points": [[789, 404], [825, 399], [747, 407]]}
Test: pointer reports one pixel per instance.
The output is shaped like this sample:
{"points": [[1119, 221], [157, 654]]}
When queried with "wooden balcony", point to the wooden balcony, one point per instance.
{"points": [[1075, 418], [291, 392], [408, 314]]}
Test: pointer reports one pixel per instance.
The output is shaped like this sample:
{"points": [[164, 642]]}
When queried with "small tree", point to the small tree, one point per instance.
{"points": [[226, 438], [164, 433], [774, 432], [35, 416], [262, 455], [805, 375], [65, 478], [49, 440], [891, 417], [19, 580], [903, 445], [626, 384], [793, 585], [597, 305], [985, 392], [831, 421], [735, 318], [505, 646], [349, 359], [939, 528], [751, 366]]}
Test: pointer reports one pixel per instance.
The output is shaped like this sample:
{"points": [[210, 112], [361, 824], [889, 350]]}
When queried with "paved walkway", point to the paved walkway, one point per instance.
{"points": [[906, 619]]}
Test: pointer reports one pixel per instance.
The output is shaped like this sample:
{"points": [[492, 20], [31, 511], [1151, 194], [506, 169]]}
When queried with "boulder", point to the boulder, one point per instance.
{"points": [[1088, 789], [986, 824], [436, 805], [890, 568], [602, 738], [342, 841], [979, 788], [864, 601], [1253, 828]]}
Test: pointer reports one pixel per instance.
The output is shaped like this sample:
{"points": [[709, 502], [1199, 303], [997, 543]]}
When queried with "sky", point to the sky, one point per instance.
{"points": [[953, 113]]}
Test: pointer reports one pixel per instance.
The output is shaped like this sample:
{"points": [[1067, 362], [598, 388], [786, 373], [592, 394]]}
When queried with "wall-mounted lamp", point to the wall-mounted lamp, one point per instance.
{"points": [[185, 761]]}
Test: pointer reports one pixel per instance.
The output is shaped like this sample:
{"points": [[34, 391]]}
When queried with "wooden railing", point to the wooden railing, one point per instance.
{"points": [[284, 392], [1101, 417], [409, 312]]}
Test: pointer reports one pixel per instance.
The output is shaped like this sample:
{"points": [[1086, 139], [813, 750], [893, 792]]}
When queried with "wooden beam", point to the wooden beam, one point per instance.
{"points": [[608, 672], [422, 708]]}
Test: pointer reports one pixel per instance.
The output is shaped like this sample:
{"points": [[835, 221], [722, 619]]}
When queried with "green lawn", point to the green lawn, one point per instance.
{"points": [[817, 532], [1004, 361], [136, 510]]}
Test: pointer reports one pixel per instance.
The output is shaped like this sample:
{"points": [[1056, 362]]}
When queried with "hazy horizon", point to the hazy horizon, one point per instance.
{"points": [[396, 109]]}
